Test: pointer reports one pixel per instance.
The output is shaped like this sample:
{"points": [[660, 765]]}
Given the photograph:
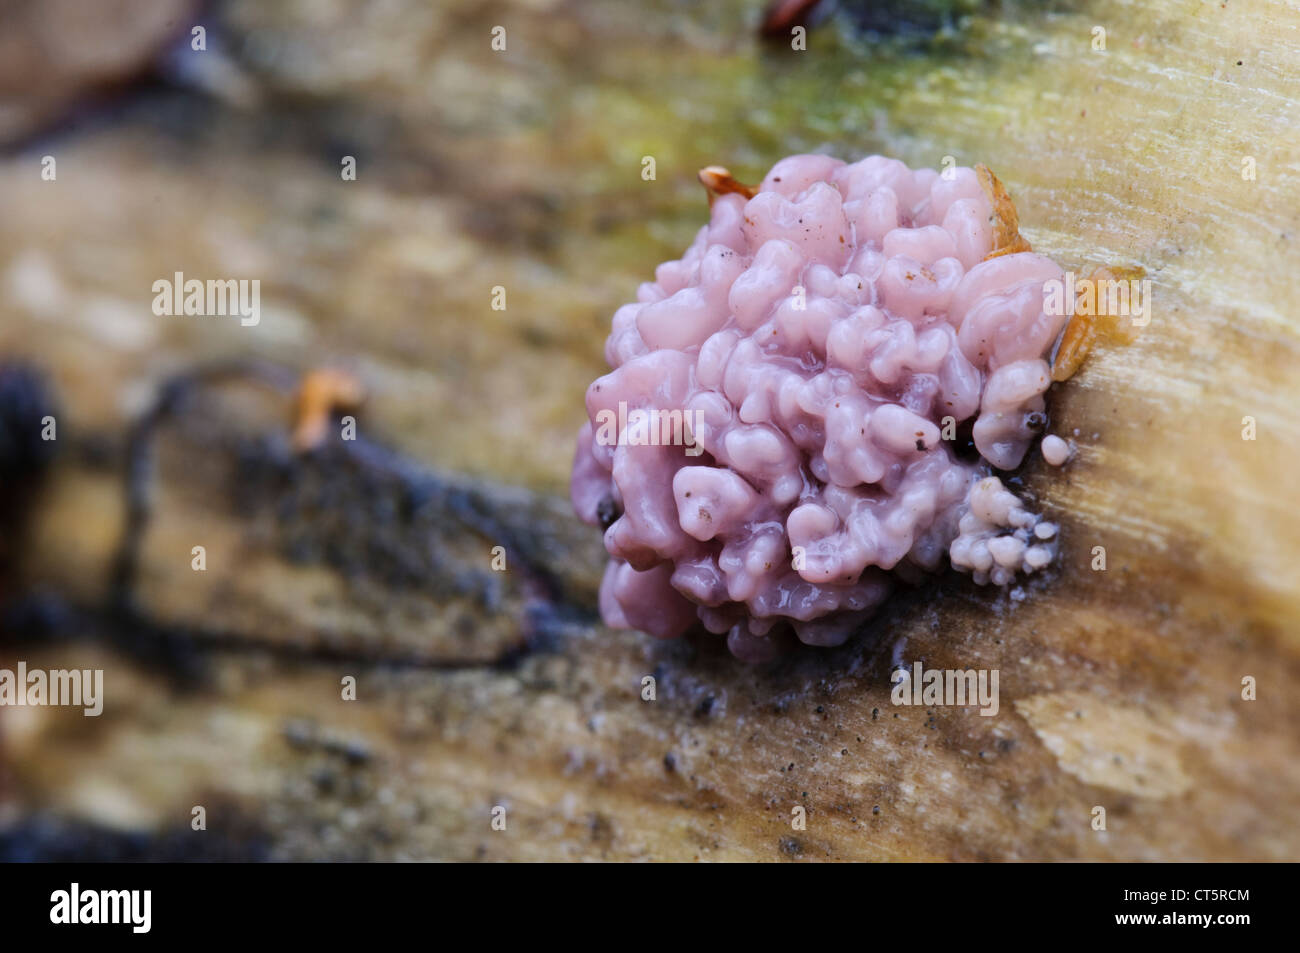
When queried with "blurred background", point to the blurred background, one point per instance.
{"points": [[141, 138]]}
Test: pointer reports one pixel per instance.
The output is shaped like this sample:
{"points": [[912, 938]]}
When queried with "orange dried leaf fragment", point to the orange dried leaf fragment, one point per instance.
{"points": [[1098, 315], [719, 181], [320, 393], [1007, 239], [1114, 311], [1076, 342]]}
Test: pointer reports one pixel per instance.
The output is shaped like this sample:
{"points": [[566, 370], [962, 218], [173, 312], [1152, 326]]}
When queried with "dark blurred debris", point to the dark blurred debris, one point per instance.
{"points": [[869, 18], [906, 17], [211, 71], [26, 401], [47, 838], [28, 416], [57, 53], [362, 510], [782, 16], [139, 461]]}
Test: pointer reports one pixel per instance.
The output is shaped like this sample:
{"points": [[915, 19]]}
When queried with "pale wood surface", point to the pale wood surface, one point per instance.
{"points": [[1119, 688]]}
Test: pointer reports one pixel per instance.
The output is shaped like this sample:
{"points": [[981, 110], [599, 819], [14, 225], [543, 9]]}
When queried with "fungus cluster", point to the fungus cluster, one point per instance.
{"points": [[781, 437]]}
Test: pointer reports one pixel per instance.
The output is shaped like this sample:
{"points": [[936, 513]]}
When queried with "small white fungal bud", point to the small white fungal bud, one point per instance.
{"points": [[1055, 450]]}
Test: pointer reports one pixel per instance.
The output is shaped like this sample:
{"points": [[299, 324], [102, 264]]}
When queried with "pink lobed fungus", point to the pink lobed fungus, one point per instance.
{"points": [[776, 444]]}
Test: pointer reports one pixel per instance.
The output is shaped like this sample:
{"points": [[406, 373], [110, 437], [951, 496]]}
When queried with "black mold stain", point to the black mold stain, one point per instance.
{"points": [[27, 400], [50, 839]]}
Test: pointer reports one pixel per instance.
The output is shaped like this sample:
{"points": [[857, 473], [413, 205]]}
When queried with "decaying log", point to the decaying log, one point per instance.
{"points": [[1171, 149]]}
